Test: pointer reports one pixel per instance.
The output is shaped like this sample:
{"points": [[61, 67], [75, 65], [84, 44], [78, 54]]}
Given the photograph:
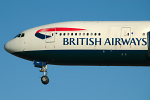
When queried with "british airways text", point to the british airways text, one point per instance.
{"points": [[107, 41]]}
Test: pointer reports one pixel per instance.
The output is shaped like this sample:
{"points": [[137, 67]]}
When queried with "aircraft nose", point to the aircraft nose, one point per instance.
{"points": [[12, 46], [7, 47]]}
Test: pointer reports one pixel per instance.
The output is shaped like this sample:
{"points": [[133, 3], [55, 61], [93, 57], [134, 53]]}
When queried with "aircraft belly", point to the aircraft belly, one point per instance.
{"points": [[88, 57]]}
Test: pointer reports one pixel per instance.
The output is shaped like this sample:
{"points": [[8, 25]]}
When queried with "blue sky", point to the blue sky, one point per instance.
{"points": [[21, 80]]}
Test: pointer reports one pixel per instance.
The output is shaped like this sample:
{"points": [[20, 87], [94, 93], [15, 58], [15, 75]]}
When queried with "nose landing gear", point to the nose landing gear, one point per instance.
{"points": [[43, 66], [44, 78]]}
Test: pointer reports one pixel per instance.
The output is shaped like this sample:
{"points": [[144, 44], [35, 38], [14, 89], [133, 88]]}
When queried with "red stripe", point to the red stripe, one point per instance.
{"points": [[59, 29]]}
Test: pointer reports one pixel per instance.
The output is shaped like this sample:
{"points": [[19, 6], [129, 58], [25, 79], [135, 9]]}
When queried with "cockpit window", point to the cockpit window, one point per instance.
{"points": [[20, 35], [17, 35]]}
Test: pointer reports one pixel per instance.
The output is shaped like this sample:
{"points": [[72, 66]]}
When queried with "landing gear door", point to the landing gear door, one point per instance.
{"points": [[148, 43], [50, 37]]}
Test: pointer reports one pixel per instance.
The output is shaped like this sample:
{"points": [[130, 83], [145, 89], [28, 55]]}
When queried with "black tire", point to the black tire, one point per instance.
{"points": [[44, 80]]}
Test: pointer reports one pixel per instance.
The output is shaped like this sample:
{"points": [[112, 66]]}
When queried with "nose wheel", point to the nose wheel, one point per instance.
{"points": [[44, 78]]}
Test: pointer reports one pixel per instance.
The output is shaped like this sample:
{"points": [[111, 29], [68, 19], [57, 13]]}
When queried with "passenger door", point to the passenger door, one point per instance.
{"points": [[125, 38], [50, 37]]}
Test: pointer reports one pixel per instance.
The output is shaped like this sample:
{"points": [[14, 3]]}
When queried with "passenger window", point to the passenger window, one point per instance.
{"points": [[75, 33], [87, 34], [68, 34], [95, 34], [91, 34], [52, 34], [64, 34], [72, 34], [60, 34], [83, 34], [80, 34], [99, 34]]}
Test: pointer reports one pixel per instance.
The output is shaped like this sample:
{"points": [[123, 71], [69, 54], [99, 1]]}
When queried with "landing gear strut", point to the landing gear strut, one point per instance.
{"points": [[44, 78]]}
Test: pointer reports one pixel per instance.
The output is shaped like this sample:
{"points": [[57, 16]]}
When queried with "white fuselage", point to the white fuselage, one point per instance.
{"points": [[104, 37]]}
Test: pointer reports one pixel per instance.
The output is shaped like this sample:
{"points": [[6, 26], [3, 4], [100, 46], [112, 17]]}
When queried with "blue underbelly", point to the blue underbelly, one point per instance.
{"points": [[88, 57]]}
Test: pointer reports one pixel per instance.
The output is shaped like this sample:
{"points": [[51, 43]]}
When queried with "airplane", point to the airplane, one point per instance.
{"points": [[100, 43]]}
